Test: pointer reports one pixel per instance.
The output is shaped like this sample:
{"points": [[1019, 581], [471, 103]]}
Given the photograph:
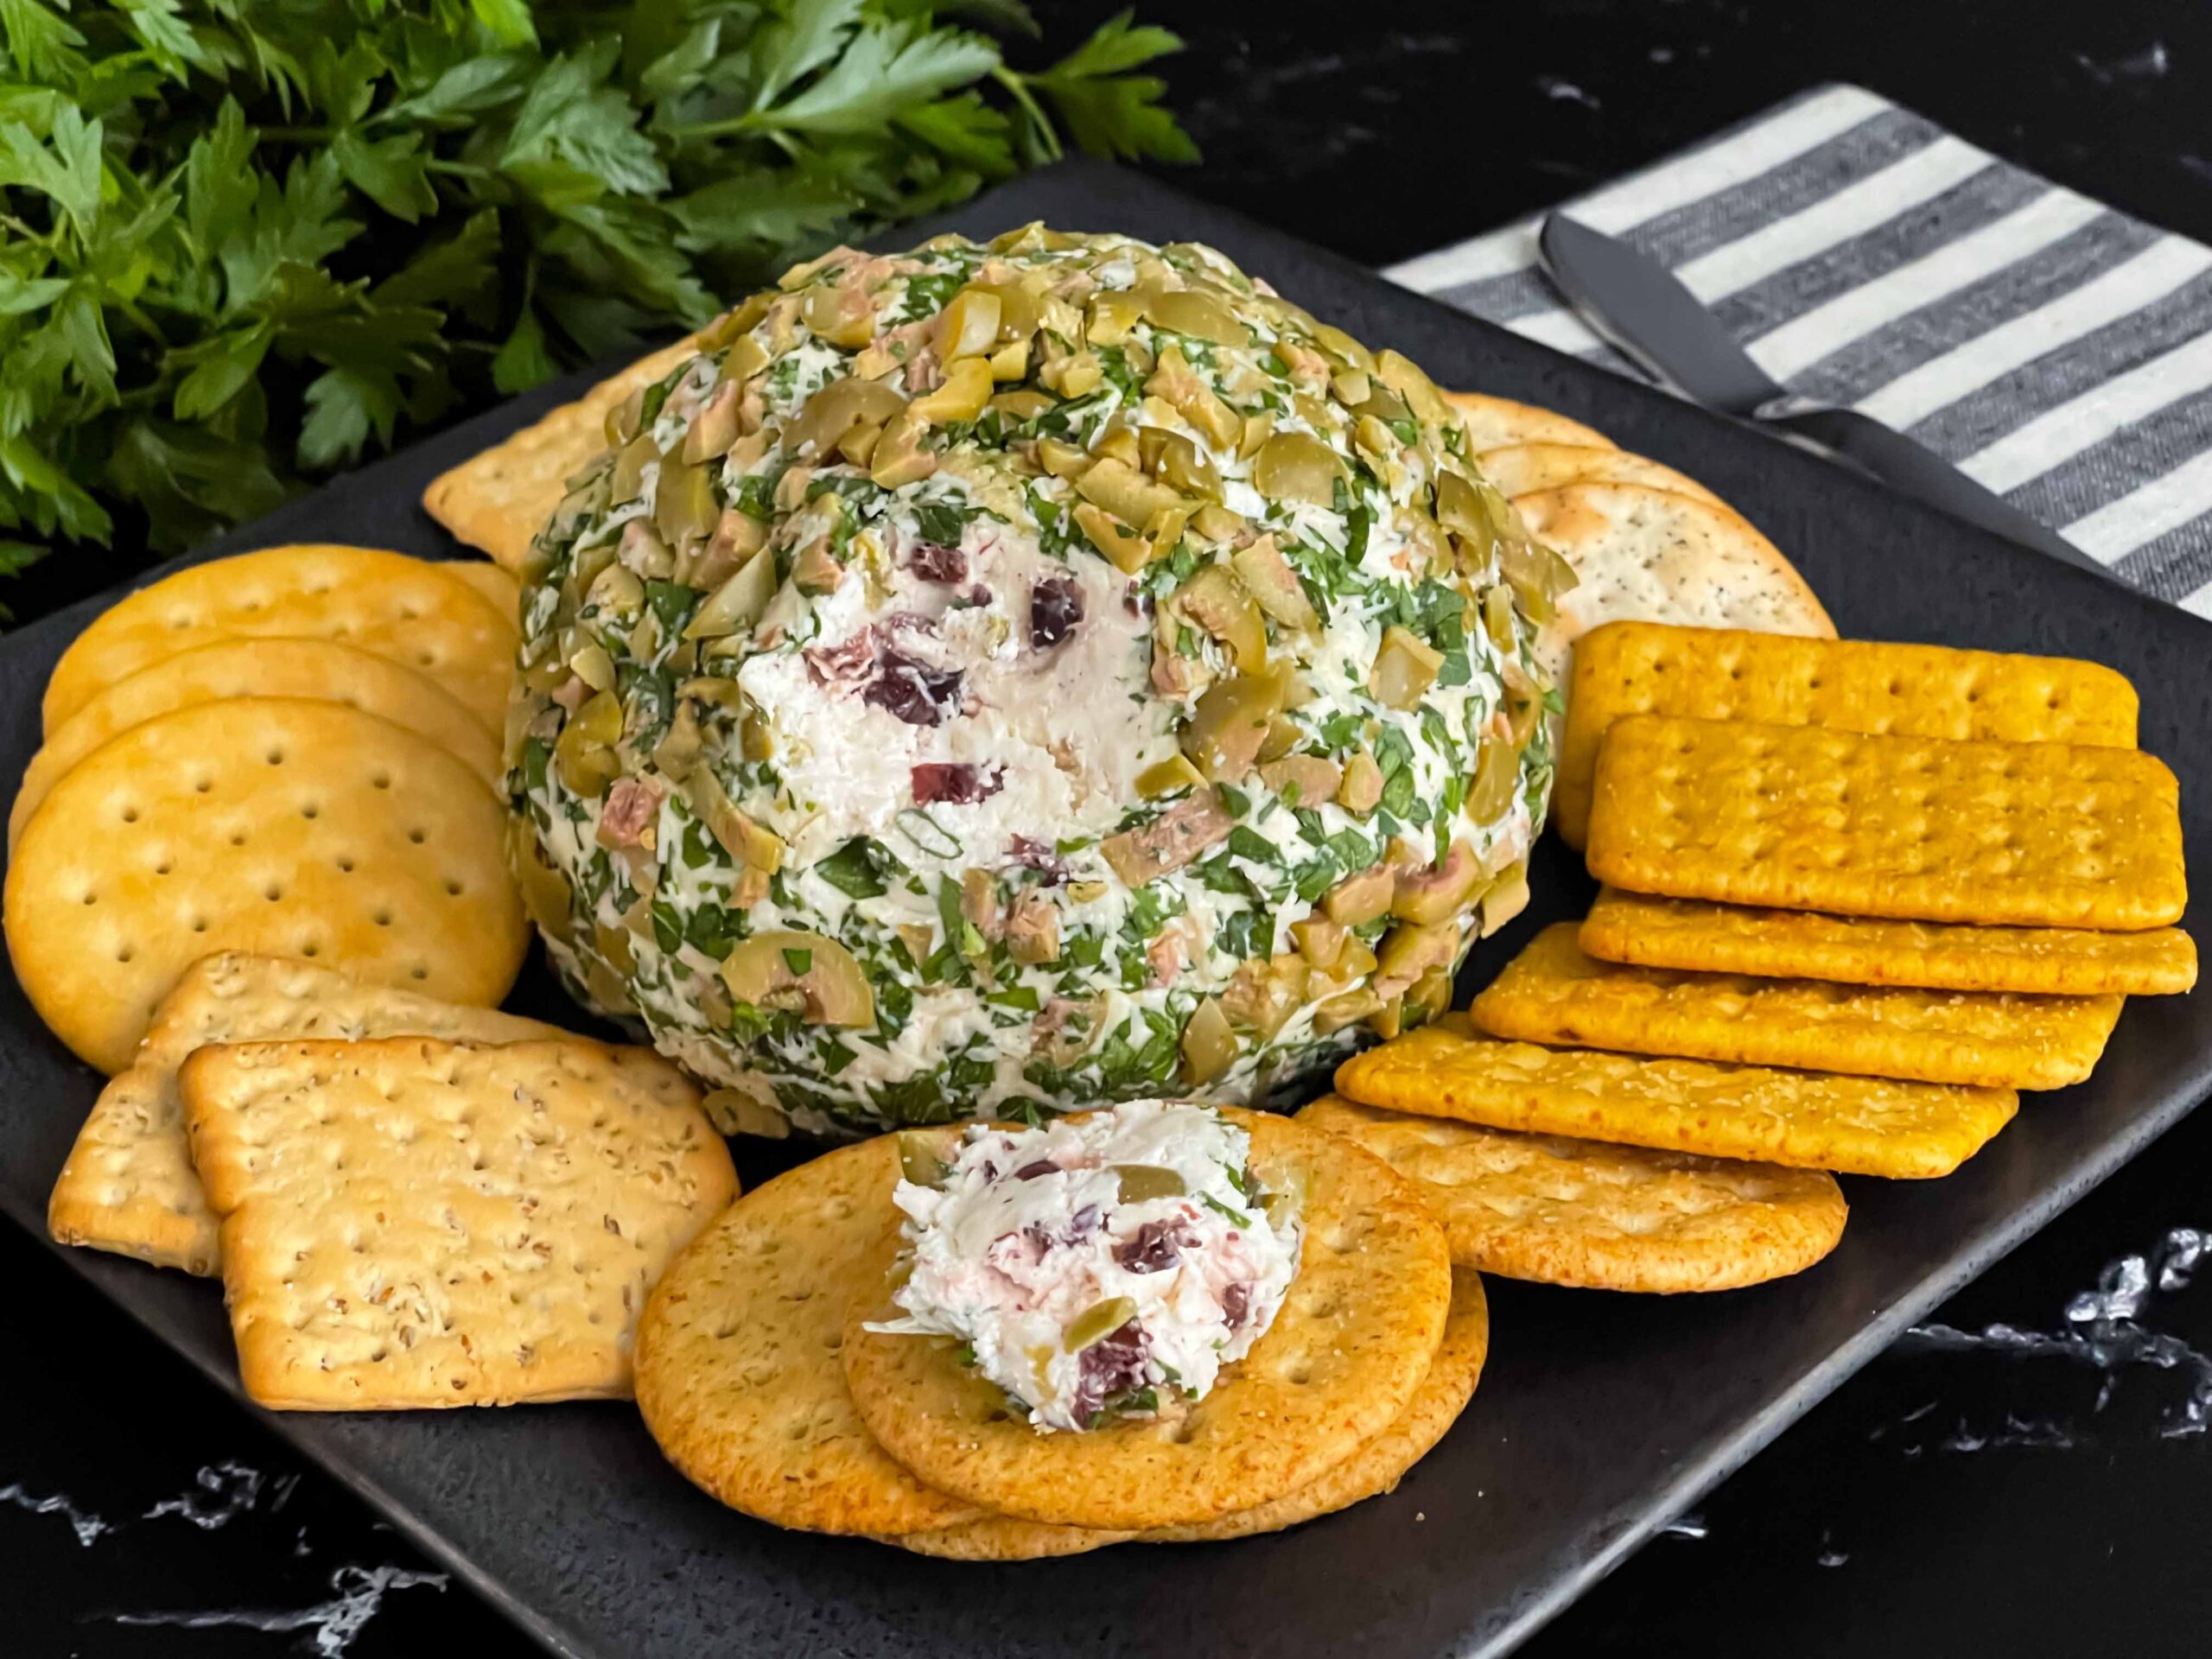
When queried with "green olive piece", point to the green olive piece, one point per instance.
{"points": [[742, 837], [545, 891], [1142, 1183], [1321, 940], [1110, 317], [1440, 892], [1174, 382], [1098, 1322], [1360, 792], [1262, 994], [1208, 1046], [967, 388], [1230, 724], [714, 429], [737, 604], [1404, 377], [825, 313], [899, 458], [1292, 467], [1497, 618], [1179, 463], [583, 754], [685, 508], [1410, 950], [1347, 1009], [837, 410], [918, 1161], [614, 945], [1264, 570], [1025, 403], [1167, 777], [1125, 551], [628, 480], [1193, 312], [969, 326], [1340, 348], [1063, 459], [1537, 576], [1217, 602], [1361, 898], [801, 972], [1405, 667], [1125, 491], [1307, 779], [1459, 510], [1497, 772]]}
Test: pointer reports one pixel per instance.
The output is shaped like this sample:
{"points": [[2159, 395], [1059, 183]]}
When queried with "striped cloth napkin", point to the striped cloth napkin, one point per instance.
{"points": [[2057, 351]]}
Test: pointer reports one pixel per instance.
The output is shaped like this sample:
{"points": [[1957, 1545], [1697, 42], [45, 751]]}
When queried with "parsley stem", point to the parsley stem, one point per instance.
{"points": [[1018, 85]]}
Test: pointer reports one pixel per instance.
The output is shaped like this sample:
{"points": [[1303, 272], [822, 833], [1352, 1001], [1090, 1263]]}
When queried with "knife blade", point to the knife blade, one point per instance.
{"points": [[1643, 309]]}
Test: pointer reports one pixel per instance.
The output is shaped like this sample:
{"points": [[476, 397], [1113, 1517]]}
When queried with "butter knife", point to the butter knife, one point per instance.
{"points": [[1637, 304]]}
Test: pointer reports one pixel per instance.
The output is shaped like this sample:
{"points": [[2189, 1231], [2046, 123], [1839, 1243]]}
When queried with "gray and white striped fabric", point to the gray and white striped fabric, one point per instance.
{"points": [[2059, 351]]}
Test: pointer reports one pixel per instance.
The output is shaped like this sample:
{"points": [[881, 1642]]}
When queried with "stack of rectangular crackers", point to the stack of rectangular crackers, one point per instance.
{"points": [[411, 1203], [1857, 898]]}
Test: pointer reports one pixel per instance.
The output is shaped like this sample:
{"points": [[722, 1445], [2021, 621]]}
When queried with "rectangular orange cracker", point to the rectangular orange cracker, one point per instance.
{"points": [[1921, 828], [1808, 1120], [1847, 685], [1635, 927], [1553, 993]]}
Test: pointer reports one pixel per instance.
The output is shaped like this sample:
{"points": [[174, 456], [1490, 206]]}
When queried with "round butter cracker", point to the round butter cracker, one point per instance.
{"points": [[738, 1375], [279, 826], [405, 610], [322, 669], [1375, 1468], [1342, 1359]]}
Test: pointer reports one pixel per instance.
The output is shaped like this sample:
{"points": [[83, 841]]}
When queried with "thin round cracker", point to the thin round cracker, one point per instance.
{"points": [[493, 583], [1344, 1357], [1654, 555], [1565, 1211], [321, 668], [1524, 468], [405, 610], [271, 824], [737, 1368], [1375, 1469], [1492, 423]]}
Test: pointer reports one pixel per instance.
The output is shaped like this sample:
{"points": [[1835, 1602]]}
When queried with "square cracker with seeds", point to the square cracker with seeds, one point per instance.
{"points": [[1847, 685], [128, 1186], [1808, 1120], [1635, 927], [1919, 829], [1553, 993], [409, 1223], [499, 500]]}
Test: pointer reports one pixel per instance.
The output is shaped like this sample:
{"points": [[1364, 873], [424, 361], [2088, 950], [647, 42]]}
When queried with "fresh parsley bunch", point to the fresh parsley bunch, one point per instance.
{"points": [[245, 240]]}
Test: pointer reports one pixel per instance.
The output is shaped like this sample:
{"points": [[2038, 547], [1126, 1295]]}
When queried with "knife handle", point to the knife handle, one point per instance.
{"points": [[1919, 473]]}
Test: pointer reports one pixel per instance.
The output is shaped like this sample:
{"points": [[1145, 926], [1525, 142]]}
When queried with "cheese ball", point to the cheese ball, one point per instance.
{"points": [[997, 679]]}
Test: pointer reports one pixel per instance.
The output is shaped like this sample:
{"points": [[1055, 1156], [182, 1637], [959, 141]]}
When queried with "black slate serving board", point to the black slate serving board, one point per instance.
{"points": [[1599, 1417]]}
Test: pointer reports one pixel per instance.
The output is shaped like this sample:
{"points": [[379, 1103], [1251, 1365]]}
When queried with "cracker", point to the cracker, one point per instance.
{"points": [[1375, 1469], [494, 583], [499, 500], [1920, 828], [1654, 555], [737, 1371], [128, 1186], [1553, 992], [407, 611], [271, 824], [1563, 1212], [409, 1223], [1855, 1126], [1492, 423], [1344, 1357], [259, 668], [1848, 685], [1524, 468], [1635, 927]]}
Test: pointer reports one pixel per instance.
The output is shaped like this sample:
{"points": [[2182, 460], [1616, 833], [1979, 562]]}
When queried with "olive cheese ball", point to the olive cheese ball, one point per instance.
{"points": [[995, 679]]}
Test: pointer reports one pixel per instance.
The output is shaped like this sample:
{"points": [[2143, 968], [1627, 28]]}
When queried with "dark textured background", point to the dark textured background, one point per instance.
{"points": [[1941, 1501]]}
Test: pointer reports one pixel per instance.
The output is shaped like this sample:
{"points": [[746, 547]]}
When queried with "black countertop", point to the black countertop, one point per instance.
{"points": [[2030, 1472]]}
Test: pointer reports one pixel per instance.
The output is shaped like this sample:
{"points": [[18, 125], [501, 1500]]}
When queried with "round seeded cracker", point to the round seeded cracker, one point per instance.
{"points": [[322, 669], [1492, 423], [1342, 1359], [1375, 1468], [408, 611], [1567, 1212], [271, 824], [1517, 469], [738, 1375]]}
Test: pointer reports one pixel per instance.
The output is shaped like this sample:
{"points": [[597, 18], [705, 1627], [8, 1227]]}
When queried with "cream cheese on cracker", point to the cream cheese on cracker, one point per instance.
{"points": [[1101, 1264]]}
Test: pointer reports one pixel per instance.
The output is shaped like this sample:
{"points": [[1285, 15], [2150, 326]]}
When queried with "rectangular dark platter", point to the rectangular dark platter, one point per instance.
{"points": [[1599, 1417]]}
